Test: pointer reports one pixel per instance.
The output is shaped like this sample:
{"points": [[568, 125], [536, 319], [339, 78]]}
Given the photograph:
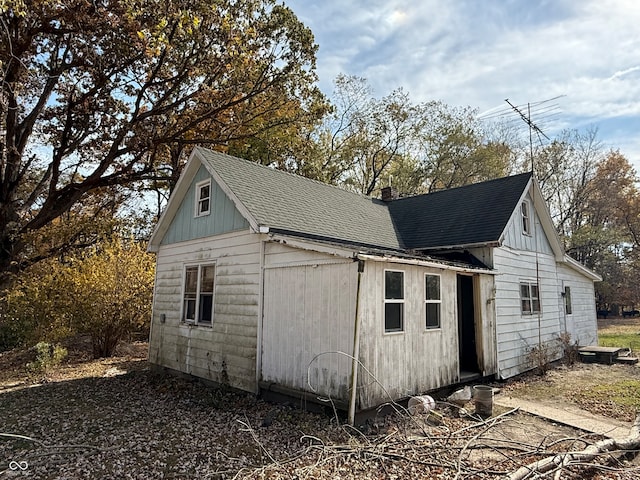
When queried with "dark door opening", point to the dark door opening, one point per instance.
{"points": [[466, 326]]}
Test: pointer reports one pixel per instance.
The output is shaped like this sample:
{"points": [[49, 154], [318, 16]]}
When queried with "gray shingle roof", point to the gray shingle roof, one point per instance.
{"points": [[293, 204], [296, 205]]}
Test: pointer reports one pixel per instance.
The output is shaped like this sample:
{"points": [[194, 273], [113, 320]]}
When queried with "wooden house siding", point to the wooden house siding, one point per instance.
{"points": [[308, 322], [581, 323], [515, 238], [226, 351], [516, 332], [485, 290], [413, 361], [224, 216]]}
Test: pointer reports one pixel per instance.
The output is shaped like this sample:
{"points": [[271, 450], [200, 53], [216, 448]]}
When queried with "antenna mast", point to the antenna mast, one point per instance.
{"points": [[532, 127]]}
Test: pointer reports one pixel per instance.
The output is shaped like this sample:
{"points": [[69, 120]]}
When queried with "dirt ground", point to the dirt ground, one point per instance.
{"points": [[113, 418]]}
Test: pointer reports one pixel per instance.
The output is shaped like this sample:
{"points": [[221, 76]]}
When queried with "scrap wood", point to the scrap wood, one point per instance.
{"points": [[561, 460]]}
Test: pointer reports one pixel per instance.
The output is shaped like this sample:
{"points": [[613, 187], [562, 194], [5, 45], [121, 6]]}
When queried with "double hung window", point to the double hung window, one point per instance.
{"points": [[199, 282], [433, 300], [529, 298], [393, 301], [203, 198]]}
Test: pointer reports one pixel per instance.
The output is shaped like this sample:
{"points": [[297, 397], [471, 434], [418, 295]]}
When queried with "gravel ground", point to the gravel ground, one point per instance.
{"points": [[115, 419]]}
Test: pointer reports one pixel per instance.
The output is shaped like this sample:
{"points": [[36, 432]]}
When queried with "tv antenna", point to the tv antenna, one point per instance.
{"points": [[532, 127], [542, 111]]}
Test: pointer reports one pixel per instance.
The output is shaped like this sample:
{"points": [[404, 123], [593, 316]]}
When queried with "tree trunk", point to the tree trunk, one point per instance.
{"points": [[632, 442]]}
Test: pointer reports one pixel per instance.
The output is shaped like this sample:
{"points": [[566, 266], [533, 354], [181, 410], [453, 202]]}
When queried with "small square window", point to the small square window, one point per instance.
{"points": [[203, 198]]}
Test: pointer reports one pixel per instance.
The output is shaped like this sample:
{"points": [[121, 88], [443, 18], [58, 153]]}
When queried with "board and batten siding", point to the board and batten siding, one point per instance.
{"points": [[413, 361], [308, 322], [581, 323], [226, 351], [224, 216], [516, 239]]}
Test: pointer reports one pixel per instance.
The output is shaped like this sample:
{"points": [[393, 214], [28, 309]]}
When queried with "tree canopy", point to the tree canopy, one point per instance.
{"points": [[100, 94]]}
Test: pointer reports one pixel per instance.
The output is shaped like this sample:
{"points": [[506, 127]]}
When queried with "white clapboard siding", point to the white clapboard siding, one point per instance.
{"points": [[309, 315], [416, 360], [226, 351], [518, 333], [581, 324]]}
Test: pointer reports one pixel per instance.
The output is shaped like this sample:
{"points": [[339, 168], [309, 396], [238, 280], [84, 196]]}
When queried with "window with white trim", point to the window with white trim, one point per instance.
{"points": [[526, 221], [567, 300], [199, 283], [393, 301], [203, 198], [529, 297], [432, 301]]}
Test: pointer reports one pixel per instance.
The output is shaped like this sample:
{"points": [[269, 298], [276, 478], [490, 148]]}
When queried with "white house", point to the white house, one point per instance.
{"points": [[267, 281]]}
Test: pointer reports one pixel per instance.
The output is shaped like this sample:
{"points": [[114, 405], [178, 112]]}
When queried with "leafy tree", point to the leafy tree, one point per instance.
{"points": [[454, 149], [104, 292], [565, 169], [101, 94], [605, 238]]}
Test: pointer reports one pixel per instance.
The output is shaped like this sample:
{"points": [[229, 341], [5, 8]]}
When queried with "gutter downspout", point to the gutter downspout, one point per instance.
{"points": [[260, 317], [356, 349]]}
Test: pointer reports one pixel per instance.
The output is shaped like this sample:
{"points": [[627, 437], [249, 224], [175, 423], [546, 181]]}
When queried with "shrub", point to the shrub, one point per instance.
{"points": [[47, 356], [104, 292]]}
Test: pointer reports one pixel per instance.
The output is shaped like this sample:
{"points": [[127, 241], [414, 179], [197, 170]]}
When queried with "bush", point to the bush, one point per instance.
{"points": [[104, 292], [47, 356]]}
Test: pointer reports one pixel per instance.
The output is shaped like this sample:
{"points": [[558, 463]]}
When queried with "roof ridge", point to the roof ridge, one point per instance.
{"points": [[452, 189], [292, 174]]}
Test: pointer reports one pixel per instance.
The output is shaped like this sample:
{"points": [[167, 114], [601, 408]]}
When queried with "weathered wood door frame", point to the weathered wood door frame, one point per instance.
{"points": [[467, 338]]}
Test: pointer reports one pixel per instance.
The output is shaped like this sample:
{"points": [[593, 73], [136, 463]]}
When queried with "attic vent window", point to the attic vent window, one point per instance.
{"points": [[526, 220], [203, 198]]}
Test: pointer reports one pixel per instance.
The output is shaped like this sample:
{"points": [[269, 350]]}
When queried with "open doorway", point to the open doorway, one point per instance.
{"points": [[466, 328]]}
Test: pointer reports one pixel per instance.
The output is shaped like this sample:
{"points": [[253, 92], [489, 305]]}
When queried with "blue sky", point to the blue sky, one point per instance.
{"points": [[478, 53]]}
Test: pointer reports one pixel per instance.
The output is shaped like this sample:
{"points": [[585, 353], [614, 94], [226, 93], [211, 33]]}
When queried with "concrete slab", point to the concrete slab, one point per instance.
{"points": [[568, 415]]}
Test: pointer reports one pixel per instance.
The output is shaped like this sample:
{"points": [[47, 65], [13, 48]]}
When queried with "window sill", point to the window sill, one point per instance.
{"points": [[393, 332]]}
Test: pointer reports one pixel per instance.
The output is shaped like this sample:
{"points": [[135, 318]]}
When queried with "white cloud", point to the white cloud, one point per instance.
{"points": [[477, 53]]}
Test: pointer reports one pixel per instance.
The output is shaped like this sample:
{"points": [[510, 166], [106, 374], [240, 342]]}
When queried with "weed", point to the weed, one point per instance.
{"points": [[47, 356], [540, 357], [569, 348]]}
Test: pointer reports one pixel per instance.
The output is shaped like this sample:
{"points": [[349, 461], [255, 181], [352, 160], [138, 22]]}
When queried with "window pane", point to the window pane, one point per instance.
{"points": [[189, 308], [206, 308], [206, 282], [536, 305], [204, 206], [393, 285], [567, 300], [534, 291], [433, 315], [524, 290], [526, 306], [191, 280], [204, 192], [393, 313], [433, 287]]}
